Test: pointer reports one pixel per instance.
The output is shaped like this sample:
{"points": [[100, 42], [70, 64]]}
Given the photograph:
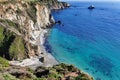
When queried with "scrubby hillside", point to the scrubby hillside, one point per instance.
{"points": [[57, 72]]}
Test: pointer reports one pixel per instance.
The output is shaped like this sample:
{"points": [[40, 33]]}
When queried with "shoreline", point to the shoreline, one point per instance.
{"points": [[44, 58], [27, 53], [34, 62]]}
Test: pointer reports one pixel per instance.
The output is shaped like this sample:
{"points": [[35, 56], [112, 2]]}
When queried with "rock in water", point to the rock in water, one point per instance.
{"points": [[91, 7]]}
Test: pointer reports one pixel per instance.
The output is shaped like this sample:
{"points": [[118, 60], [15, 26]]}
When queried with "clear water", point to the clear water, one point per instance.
{"points": [[89, 39]]}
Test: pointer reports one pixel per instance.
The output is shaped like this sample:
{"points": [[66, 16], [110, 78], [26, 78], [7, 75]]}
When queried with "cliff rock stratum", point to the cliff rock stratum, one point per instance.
{"points": [[24, 25]]}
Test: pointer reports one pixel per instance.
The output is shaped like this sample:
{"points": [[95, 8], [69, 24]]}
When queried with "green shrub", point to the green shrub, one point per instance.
{"points": [[11, 23], [17, 49], [4, 45], [1, 34], [30, 70], [39, 79], [53, 75], [3, 62], [9, 77], [71, 68]]}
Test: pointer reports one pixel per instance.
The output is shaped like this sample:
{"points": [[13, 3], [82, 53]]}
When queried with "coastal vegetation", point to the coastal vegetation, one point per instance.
{"points": [[3, 63], [57, 72], [17, 48], [11, 45]]}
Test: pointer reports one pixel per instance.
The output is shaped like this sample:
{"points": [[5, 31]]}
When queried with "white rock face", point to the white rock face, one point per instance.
{"points": [[42, 17], [33, 21]]}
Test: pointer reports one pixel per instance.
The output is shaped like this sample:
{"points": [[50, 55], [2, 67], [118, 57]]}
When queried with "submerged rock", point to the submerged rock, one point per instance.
{"points": [[58, 22]]}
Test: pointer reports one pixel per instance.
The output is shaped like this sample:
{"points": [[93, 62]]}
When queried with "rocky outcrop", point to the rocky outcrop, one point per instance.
{"points": [[55, 4], [27, 22]]}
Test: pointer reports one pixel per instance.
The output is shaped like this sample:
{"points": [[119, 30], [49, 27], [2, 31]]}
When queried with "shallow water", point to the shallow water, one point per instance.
{"points": [[89, 39]]}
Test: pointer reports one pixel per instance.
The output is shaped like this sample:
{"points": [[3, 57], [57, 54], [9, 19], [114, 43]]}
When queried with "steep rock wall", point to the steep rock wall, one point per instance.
{"points": [[24, 24], [27, 20]]}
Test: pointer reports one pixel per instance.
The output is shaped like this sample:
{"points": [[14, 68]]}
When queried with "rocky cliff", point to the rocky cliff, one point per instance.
{"points": [[23, 28], [23, 25]]}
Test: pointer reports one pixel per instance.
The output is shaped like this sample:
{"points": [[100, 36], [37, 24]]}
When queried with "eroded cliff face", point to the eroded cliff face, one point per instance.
{"points": [[23, 25], [55, 4]]}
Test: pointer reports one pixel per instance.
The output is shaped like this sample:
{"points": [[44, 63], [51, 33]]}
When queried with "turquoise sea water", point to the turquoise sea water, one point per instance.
{"points": [[89, 39]]}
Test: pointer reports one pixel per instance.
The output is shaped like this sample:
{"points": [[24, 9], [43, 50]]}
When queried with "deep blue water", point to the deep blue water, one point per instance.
{"points": [[89, 39]]}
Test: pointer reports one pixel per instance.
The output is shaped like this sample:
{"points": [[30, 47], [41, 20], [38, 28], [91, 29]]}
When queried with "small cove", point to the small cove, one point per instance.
{"points": [[89, 39]]}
